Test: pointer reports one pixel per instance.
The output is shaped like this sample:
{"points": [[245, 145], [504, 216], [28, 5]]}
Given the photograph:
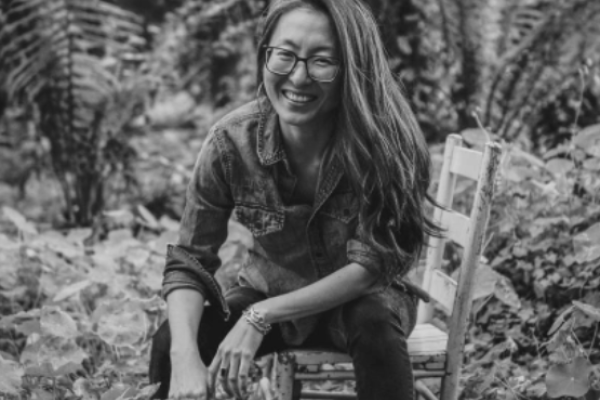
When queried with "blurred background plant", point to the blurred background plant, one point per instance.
{"points": [[104, 105]]}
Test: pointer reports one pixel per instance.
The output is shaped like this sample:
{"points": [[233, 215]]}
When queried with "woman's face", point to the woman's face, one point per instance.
{"points": [[299, 100]]}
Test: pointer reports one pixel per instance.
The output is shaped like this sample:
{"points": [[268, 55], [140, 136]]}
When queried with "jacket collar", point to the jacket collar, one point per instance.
{"points": [[270, 151], [268, 145]]}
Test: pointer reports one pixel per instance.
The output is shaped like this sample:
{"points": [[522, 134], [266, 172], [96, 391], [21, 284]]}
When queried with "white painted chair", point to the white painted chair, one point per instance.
{"points": [[434, 353]]}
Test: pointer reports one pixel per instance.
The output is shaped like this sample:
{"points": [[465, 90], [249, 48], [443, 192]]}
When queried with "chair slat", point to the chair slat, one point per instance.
{"points": [[458, 226], [425, 340], [443, 290], [466, 162]]}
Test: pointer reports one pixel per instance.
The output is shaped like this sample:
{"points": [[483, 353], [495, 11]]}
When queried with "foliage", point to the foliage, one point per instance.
{"points": [[69, 59], [545, 237], [516, 57], [77, 315], [204, 47]]}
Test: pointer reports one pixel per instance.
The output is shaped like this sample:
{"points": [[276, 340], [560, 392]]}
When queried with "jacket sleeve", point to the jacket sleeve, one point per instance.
{"points": [[363, 254], [193, 261], [360, 252]]}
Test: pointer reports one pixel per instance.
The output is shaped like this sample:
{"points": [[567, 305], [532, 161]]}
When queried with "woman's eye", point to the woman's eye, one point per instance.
{"points": [[284, 55], [323, 61]]}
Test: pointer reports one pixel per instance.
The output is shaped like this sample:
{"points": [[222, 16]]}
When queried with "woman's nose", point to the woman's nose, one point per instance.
{"points": [[299, 75]]}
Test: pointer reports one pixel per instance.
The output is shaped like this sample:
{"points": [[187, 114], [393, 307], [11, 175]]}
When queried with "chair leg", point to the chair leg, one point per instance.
{"points": [[285, 368], [423, 391]]}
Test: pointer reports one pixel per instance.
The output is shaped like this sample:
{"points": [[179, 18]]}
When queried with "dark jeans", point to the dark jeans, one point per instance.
{"points": [[373, 329]]}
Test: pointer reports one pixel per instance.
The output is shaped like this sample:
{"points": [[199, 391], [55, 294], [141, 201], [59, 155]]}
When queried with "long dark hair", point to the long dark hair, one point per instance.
{"points": [[378, 140]]}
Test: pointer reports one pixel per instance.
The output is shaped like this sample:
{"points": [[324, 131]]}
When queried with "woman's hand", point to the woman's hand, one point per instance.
{"points": [[234, 357], [189, 376]]}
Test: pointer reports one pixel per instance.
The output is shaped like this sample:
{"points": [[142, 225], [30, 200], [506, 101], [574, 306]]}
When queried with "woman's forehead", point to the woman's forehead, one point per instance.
{"points": [[305, 28]]}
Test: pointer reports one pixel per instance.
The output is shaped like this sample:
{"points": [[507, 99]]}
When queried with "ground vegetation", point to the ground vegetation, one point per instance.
{"points": [[105, 104]]}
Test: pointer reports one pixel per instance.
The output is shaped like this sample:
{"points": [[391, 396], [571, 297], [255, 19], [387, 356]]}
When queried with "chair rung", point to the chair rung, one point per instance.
{"points": [[349, 375], [420, 374], [328, 375], [313, 394]]}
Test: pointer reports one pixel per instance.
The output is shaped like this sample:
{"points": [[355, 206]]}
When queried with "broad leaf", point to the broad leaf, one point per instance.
{"points": [[589, 140], [588, 310], [559, 166], [53, 356], [56, 322], [572, 379], [10, 377], [120, 322], [119, 392], [71, 290], [19, 220]]}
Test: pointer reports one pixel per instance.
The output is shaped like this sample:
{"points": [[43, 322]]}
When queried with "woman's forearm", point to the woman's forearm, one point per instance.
{"points": [[185, 308], [343, 285]]}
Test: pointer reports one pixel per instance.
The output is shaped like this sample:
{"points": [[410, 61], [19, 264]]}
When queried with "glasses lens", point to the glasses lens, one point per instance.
{"points": [[280, 61], [322, 68]]}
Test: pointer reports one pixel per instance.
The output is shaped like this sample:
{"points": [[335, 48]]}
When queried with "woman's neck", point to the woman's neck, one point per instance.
{"points": [[305, 143]]}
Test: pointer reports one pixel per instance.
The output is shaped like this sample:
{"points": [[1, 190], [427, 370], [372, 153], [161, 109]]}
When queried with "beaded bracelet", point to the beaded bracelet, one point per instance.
{"points": [[257, 320]]}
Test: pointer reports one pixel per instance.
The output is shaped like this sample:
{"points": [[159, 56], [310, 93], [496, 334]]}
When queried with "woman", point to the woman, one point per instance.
{"points": [[329, 171]]}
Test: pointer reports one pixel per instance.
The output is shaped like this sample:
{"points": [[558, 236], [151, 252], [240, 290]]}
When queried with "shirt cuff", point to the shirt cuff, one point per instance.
{"points": [[178, 280], [361, 253]]}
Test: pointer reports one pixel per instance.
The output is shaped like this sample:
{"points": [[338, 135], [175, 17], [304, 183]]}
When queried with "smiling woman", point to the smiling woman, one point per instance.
{"points": [[329, 171]]}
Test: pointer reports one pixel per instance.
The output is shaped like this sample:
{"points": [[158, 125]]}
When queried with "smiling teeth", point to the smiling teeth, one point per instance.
{"points": [[297, 97]]}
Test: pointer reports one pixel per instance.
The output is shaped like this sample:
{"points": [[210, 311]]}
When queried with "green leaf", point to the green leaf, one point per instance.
{"points": [[55, 322], [10, 377], [485, 281], [588, 310], [119, 393], [120, 322], [504, 292], [19, 221], [559, 166], [71, 290], [57, 242], [560, 320], [572, 379], [589, 140], [29, 327], [52, 356]]}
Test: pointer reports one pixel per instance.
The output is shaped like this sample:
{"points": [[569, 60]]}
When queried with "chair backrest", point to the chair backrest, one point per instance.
{"points": [[468, 232]]}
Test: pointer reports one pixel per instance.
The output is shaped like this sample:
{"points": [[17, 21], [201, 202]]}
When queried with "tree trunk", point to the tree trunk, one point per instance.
{"points": [[478, 29]]}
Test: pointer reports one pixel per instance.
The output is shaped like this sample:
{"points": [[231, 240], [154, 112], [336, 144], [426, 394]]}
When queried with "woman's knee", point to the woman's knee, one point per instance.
{"points": [[373, 320], [365, 312]]}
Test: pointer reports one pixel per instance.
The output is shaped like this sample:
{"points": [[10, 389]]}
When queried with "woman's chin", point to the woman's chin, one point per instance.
{"points": [[297, 119]]}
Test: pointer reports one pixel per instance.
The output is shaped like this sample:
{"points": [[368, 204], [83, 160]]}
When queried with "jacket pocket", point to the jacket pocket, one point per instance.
{"points": [[342, 206], [260, 220]]}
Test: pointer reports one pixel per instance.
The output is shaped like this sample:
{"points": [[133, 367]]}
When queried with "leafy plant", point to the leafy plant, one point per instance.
{"points": [[77, 316], [70, 59], [510, 59], [544, 237]]}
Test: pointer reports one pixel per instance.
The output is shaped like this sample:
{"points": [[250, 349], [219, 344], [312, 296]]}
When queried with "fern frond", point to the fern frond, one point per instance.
{"points": [[543, 63]]}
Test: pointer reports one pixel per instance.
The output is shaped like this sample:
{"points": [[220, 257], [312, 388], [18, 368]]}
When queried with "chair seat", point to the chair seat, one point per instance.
{"points": [[426, 346]]}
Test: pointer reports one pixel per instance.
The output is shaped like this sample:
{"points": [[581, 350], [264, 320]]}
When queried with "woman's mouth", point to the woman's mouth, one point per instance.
{"points": [[298, 98]]}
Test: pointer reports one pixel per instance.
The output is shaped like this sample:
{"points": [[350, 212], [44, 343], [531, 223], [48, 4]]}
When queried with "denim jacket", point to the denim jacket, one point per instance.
{"points": [[242, 168]]}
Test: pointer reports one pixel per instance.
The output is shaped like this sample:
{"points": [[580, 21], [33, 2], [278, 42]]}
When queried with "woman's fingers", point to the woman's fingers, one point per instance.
{"points": [[245, 363], [214, 370], [230, 384]]}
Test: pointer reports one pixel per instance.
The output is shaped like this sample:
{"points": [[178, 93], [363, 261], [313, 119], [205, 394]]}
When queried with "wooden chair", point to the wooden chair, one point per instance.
{"points": [[434, 353]]}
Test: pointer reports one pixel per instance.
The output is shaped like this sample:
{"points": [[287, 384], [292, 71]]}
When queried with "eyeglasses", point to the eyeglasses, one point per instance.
{"points": [[282, 62]]}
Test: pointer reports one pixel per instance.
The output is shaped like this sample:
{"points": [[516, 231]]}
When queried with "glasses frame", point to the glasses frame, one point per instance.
{"points": [[296, 59]]}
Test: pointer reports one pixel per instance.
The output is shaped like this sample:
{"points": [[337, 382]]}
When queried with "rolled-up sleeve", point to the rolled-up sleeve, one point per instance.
{"points": [[193, 261], [363, 254]]}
